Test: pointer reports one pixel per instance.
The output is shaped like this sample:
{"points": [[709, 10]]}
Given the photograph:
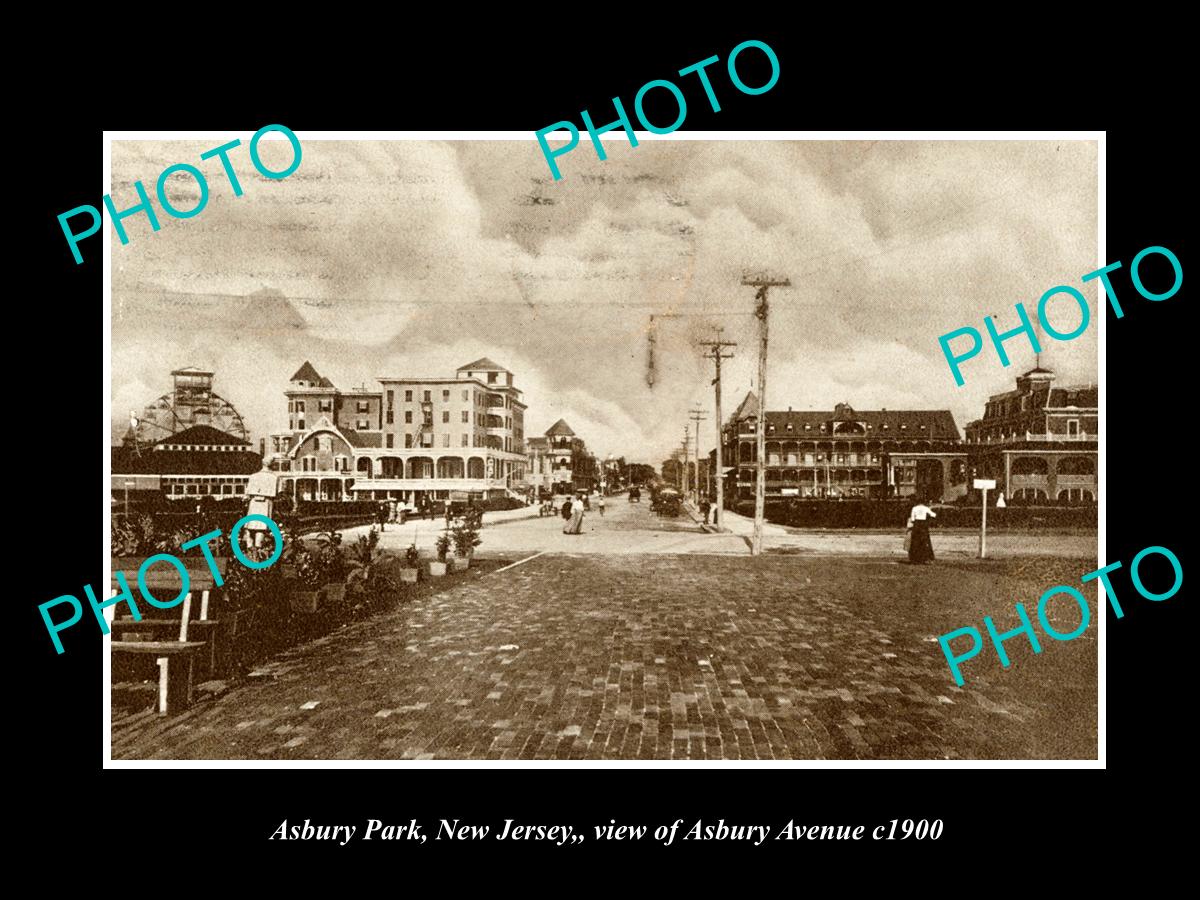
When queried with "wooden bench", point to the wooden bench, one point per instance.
{"points": [[174, 680]]}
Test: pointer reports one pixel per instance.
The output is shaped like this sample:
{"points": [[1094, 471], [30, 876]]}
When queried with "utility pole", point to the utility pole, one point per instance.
{"points": [[760, 486], [716, 355], [683, 472], [697, 415]]}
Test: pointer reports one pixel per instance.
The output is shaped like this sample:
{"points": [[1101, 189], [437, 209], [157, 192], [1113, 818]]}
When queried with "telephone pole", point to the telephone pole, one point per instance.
{"points": [[760, 487], [716, 356], [697, 415], [683, 474]]}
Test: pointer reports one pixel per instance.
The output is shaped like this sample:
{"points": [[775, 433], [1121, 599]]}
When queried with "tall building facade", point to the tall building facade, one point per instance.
{"points": [[845, 453], [416, 438], [1038, 441]]}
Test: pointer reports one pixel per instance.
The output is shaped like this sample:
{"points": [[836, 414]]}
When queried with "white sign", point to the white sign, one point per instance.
{"points": [[790, 492], [985, 484]]}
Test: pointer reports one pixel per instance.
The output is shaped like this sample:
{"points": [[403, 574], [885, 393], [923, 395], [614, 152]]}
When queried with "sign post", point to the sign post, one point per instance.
{"points": [[984, 484]]}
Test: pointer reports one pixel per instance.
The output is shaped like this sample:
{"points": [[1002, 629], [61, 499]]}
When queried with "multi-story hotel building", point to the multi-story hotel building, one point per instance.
{"points": [[1038, 441], [414, 439], [846, 453]]}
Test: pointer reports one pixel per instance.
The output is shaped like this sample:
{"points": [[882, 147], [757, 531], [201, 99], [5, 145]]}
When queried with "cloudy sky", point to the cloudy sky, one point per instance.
{"points": [[414, 257]]}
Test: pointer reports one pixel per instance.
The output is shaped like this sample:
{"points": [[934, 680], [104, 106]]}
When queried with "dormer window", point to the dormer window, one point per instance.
{"points": [[922, 427], [886, 426], [790, 427], [904, 427]]}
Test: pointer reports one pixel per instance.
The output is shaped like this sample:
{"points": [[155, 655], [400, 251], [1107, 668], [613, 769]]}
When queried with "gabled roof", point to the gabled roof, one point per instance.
{"points": [[560, 429], [306, 373], [483, 364], [203, 435], [748, 407]]}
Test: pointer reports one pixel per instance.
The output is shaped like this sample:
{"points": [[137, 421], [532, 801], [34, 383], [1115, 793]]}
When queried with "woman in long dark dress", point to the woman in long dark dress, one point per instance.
{"points": [[920, 548]]}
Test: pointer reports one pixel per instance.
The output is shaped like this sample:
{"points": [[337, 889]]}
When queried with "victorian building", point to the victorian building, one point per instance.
{"points": [[189, 443], [1038, 441], [559, 462], [416, 438], [845, 453]]}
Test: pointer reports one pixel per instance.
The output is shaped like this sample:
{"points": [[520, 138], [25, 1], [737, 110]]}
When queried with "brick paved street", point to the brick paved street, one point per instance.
{"points": [[664, 657]]}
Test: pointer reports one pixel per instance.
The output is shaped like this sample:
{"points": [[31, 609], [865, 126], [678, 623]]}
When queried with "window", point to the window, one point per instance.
{"points": [[362, 424], [1073, 427], [445, 416], [389, 417], [408, 417], [427, 440], [391, 440], [904, 427], [300, 425], [466, 396], [466, 416], [428, 396], [445, 440], [299, 406], [407, 440], [446, 395], [822, 426], [291, 406], [922, 427], [363, 406], [886, 426], [807, 427], [408, 396], [491, 377], [428, 418], [324, 406], [466, 439], [790, 427], [390, 395], [325, 443]]}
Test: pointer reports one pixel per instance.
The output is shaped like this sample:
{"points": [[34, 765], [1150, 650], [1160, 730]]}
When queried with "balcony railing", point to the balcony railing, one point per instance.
{"points": [[1048, 436]]}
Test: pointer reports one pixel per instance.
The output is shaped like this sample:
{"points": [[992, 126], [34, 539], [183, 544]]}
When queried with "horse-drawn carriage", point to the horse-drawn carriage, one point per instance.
{"points": [[666, 502]]}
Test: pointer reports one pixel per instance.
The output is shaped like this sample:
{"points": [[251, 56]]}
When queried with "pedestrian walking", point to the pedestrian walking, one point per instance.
{"points": [[600, 503], [920, 548], [383, 517], [574, 525], [704, 508]]}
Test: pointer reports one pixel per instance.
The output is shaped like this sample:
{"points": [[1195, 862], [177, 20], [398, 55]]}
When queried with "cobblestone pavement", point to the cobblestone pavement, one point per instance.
{"points": [[667, 657]]}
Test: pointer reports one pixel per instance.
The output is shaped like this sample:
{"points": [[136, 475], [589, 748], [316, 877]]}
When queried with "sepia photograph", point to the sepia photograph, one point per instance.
{"points": [[661, 461]]}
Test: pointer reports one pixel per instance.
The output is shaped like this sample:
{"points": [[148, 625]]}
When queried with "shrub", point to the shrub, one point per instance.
{"points": [[412, 556], [443, 546]]}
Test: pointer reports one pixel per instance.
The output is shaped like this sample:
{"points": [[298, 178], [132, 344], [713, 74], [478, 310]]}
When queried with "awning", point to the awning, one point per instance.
{"points": [[728, 469]]}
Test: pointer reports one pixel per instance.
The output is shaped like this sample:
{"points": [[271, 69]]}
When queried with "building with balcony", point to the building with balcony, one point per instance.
{"points": [[1038, 441], [416, 438], [559, 462], [845, 454]]}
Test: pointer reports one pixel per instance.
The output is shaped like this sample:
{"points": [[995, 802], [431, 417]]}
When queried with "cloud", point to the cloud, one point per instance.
{"points": [[413, 257]]}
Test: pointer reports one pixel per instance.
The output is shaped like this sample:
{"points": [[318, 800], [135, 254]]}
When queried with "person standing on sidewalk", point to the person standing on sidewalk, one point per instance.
{"points": [[920, 548], [600, 503], [704, 508]]}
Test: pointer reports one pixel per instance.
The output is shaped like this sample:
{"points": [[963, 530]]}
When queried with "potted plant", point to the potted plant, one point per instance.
{"points": [[309, 574], [437, 568], [333, 565], [366, 578], [410, 572], [466, 538]]}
